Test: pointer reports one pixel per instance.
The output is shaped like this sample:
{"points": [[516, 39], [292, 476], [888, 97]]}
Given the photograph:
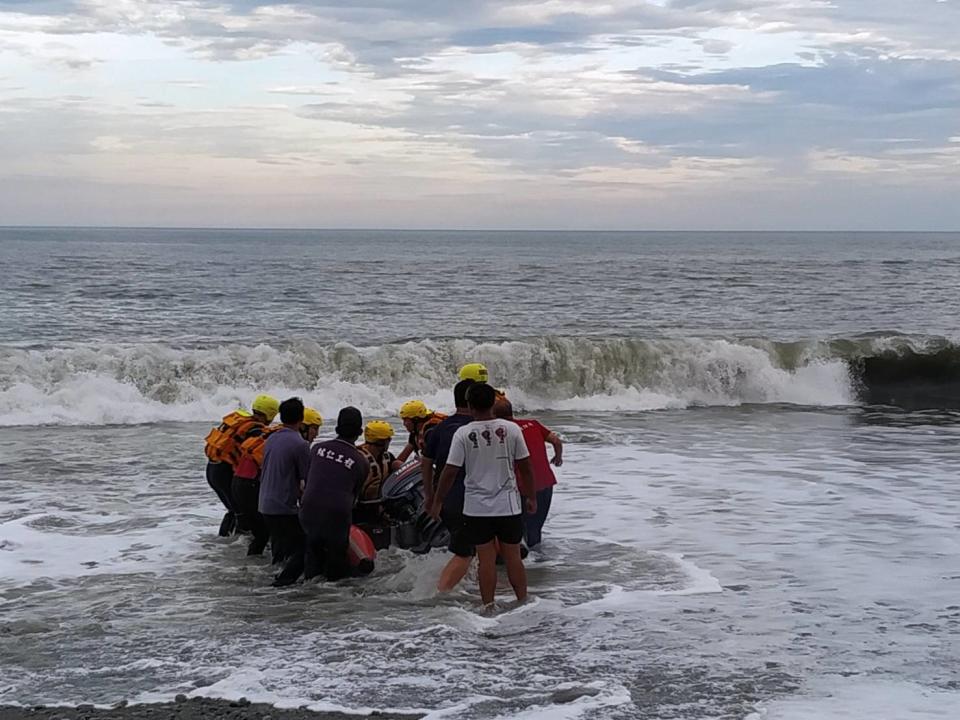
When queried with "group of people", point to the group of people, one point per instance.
{"points": [[485, 474]]}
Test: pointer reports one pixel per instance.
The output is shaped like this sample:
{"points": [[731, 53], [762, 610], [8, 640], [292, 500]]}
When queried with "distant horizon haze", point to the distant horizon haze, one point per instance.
{"points": [[501, 230]]}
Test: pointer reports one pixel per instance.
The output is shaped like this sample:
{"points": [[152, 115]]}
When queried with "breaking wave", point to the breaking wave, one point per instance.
{"points": [[122, 384]]}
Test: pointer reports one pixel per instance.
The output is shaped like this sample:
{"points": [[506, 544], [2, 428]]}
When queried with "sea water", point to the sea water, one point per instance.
{"points": [[758, 515]]}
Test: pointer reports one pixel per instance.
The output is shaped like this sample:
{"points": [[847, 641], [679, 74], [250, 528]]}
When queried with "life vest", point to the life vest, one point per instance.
{"points": [[379, 469], [223, 442], [251, 454], [427, 425]]}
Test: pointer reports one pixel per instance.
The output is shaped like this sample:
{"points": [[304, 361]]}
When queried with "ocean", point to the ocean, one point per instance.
{"points": [[758, 516]]}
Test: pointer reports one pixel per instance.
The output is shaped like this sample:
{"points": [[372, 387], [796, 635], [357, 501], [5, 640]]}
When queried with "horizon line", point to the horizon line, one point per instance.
{"points": [[463, 229]]}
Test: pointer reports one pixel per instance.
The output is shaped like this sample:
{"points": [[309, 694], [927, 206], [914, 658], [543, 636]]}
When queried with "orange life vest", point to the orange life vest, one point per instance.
{"points": [[223, 442], [370, 489], [427, 425], [251, 454]]}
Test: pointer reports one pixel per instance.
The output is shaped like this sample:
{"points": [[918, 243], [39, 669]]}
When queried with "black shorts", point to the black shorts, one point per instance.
{"points": [[459, 543], [483, 529]]}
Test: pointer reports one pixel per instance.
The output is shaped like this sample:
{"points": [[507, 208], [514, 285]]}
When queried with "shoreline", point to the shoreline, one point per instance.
{"points": [[188, 709]]}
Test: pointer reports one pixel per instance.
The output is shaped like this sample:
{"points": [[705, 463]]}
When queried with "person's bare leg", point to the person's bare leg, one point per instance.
{"points": [[453, 573], [516, 572], [487, 557]]}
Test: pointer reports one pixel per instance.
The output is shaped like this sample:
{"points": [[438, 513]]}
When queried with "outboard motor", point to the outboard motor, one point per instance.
{"points": [[402, 503], [401, 494]]}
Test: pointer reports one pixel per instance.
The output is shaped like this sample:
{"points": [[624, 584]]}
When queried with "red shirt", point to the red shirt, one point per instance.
{"points": [[535, 435]]}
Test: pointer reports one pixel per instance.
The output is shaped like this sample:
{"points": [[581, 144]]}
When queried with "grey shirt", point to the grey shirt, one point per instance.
{"points": [[286, 459], [337, 470]]}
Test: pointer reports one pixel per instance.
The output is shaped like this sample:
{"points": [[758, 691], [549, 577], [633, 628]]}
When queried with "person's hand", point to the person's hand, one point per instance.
{"points": [[532, 505], [434, 510], [557, 460], [396, 465]]}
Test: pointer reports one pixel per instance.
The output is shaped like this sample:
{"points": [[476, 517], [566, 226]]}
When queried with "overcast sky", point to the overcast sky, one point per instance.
{"points": [[701, 114]]}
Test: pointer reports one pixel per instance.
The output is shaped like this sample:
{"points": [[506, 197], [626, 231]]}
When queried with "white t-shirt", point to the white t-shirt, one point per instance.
{"points": [[487, 450]]}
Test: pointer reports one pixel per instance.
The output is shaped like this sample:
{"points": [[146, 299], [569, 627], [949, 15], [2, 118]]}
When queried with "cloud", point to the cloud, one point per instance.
{"points": [[559, 100], [713, 46], [303, 89], [843, 103]]}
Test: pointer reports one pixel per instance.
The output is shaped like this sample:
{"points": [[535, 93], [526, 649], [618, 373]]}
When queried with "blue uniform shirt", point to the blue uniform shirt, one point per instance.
{"points": [[337, 471], [286, 459], [438, 448]]}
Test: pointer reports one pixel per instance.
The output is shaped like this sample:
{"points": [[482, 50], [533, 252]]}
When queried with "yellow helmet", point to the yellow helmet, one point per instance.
{"points": [[414, 409], [266, 405], [377, 431], [474, 371], [312, 417]]}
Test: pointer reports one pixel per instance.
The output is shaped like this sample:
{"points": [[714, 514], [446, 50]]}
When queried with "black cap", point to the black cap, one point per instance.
{"points": [[349, 423]]}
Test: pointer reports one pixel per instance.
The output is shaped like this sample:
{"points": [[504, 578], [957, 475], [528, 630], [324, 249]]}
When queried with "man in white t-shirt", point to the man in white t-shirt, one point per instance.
{"points": [[488, 449]]}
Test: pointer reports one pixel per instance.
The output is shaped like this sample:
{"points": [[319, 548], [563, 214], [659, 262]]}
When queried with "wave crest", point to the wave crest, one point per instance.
{"points": [[153, 383]]}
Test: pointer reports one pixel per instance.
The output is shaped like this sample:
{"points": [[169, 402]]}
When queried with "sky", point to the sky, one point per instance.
{"points": [[556, 114]]}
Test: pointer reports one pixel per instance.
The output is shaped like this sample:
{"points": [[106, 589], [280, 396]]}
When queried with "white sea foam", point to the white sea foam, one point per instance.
{"points": [[621, 599], [702, 582], [596, 696], [615, 603], [863, 699], [116, 384], [29, 553], [406, 574]]}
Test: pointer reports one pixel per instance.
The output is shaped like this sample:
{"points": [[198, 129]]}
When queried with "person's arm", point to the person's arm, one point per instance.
{"points": [[456, 459], [551, 438], [524, 469], [426, 472], [303, 466], [405, 453], [447, 477], [526, 485], [557, 443], [393, 463]]}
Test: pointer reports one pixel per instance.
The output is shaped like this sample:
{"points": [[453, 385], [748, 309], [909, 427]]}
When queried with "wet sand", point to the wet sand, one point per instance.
{"points": [[186, 709]]}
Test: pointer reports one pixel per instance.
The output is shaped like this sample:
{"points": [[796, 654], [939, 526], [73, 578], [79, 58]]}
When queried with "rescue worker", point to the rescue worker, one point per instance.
{"points": [[498, 479], [223, 451], [376, 435], [246, 479], [312, 422], [431, 465], [418, 421], [286, 459], [475, 371], [337, 470], [536, 436]]}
